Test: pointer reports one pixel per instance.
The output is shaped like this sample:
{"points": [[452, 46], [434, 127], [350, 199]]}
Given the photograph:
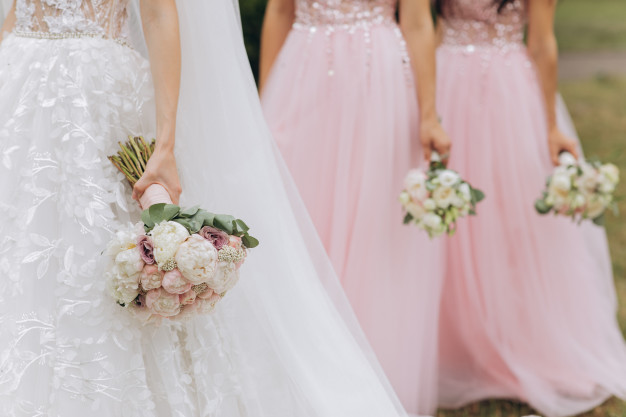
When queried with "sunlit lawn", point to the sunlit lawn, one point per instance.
{"points": [[591, 25]]}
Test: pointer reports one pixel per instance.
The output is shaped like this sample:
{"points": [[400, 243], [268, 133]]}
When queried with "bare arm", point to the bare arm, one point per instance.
{"points": [[543, 50], [9, 23], [418, 29], [160, 23], [279, 17]]}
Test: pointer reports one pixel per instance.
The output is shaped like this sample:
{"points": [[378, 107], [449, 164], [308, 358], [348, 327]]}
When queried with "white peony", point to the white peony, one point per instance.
{"points": [[610, 172], [443, 196], [404, 198], [123, 287], [561, 182], [225, 278], [430, 205], [448, 178], [129, 262], [166, 238], [125, 239], [197, 259]]}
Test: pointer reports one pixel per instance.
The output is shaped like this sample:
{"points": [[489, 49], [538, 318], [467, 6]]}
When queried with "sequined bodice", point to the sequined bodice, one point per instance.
{"points": [[344, 13], [476, 23], [106, 18]]}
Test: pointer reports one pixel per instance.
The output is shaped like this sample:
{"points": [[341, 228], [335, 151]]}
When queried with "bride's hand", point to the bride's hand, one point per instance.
{"points": [[558, 142], [161, 169], [433, 137]]}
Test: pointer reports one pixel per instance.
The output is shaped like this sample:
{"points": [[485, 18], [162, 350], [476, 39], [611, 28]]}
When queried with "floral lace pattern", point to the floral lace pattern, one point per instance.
{"points": [[106, 18]]}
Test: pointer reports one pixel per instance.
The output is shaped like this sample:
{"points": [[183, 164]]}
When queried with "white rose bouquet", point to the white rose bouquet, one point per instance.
{"points": [[436, 199], [176, 263], [580, 190]]}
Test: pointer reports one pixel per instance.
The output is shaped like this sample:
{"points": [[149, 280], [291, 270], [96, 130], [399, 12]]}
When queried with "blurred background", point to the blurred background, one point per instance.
{"points": [[592, 42]]}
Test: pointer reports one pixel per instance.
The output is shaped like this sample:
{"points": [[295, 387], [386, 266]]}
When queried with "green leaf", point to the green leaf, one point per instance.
{"points": [[408, 218], [163, 212], [242, 226], [600, 220], [542, 207], [250, 241], [185, 223], [189, 212], [147, 221], [206, 218], [224, 222], [477, 195]]}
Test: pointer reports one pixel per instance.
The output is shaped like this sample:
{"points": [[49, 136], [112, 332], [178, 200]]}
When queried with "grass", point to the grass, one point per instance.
{"points": [[597, 107], [591, 25]]}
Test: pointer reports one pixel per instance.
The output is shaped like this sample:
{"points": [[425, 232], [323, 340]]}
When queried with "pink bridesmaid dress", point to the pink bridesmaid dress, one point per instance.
{"points": [[528, 307], [342, 106]]}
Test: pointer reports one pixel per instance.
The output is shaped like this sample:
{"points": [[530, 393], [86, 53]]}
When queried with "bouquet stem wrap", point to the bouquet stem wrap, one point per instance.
{"points": [[154, 194]]}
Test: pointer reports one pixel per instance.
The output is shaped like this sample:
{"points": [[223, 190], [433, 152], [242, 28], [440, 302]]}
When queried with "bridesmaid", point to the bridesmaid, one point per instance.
{"points": [[339, 93], [528, 310]]}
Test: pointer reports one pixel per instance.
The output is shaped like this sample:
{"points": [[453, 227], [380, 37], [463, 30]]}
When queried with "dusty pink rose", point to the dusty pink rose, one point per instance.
{"points": [[146, 249], [151, 277], [175, 283], [187, 298], [217, 237], [163, 303], [235, 242]]}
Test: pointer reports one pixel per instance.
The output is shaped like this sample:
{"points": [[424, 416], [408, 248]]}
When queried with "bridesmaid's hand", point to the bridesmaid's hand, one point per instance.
{"points": [[161, 169], [434, 137], [558, 143]]}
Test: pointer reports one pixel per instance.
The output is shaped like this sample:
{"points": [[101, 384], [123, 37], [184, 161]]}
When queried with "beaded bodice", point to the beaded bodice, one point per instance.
{"points": [[106, 18], [344, 13], [475, 23]]}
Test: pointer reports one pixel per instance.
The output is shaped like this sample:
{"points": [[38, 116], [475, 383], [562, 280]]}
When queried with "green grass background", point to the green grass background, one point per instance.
{"points": [[598, 107]]}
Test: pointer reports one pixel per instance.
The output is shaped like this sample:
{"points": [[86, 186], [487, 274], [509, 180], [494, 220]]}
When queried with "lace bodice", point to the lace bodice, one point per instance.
{"points": [[106, 18], [472, 23], [344, 13]]}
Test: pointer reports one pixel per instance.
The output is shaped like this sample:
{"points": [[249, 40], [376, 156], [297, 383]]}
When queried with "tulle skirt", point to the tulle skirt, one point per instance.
{"points": [[342, 107], [529, 308]]}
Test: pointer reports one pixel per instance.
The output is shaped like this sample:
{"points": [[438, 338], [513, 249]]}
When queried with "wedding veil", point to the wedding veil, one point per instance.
{"points": [[295, 337]]}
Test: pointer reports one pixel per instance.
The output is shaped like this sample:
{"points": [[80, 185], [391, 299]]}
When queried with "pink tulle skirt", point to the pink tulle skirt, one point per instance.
{"points": [[342, 108], [528, 307]]}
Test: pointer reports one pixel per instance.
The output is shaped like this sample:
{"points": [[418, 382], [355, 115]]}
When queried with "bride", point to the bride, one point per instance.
{"points": [[74, 79]]}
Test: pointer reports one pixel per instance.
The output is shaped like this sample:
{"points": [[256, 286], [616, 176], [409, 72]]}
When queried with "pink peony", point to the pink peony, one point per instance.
{"points": [[146, 249], [163, 303], [175, 283], [206, 295], [151, 277], [187, 298], [217, 237]]}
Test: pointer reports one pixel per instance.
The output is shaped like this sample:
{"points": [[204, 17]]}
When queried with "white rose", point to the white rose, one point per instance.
{"points": [[561, 182], [595, 208], [588, 181], [197, 259], [448, 178], [129, 262], [567, 159], [123, 287], [465, 192], [432, 221], [611, 172], [578, 201], [415, 210], [125, 239], [607, 187], [443, 196], [430, 205], [225, 278], [166, 238], [404, 198], [415, 184], [458, 201]]}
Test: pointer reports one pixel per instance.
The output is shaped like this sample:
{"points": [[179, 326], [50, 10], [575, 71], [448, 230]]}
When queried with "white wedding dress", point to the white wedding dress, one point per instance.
{"points": [[284, 343]]}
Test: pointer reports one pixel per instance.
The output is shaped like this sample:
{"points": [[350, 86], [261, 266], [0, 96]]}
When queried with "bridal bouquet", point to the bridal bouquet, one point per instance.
{"points": [[175, 262], [436, 199], [580, 189]]}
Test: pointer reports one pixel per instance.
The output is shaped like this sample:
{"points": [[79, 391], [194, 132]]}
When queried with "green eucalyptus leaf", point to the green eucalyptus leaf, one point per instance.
{"points": [[189, 212], [206, 218], [477, 195], [408, 218], [542, 207], [249, 241], [185, 223], [600, 220], [224, 222], [170, 211], [242, 226], [147, 221]]}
